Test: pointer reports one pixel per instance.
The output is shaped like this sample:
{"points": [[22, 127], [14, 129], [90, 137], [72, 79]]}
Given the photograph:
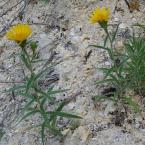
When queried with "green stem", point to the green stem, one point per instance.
{"points": [[106, 30], [27, 60]]}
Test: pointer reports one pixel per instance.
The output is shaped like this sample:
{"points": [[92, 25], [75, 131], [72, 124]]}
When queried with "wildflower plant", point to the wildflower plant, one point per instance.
{"points": [[122, 63], [135, 66], [37, 98]]}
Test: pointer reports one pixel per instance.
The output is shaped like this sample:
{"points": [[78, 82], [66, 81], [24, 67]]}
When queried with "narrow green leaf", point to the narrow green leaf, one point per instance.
{"points": [[29, 114], [42, 72], [107, 71], [105, 40], [109, 50], [114, 78], [115, 33], [42, 102], [140, 25], [27, 95], [57, 91], [42, 133], [104, 81], [18, 87], [30, 82], [45, 94], [26, 108], [62, 104], [101, 47], [55, 131], [60, 107], [63, 114], [130, 102], [38, 60], [25, 61]]}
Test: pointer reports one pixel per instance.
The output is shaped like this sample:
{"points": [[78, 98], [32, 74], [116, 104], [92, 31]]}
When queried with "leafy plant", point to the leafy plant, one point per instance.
{"points": [[114, 75], [135, 67], [127, 70], [38, 100]]}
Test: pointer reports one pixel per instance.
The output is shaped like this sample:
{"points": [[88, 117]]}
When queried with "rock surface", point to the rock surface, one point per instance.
{"points": [[63, 26]]}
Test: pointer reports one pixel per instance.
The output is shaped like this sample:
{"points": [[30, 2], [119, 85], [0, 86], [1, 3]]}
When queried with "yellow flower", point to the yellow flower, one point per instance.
{"points": [[100, 15], [19, 32]]}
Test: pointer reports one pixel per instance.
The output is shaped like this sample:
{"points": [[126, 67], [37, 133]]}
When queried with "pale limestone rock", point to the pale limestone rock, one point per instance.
{"points": [[84, 133]]}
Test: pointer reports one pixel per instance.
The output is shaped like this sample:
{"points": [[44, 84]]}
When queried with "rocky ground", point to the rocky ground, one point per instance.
{"points": [[62, 26]]}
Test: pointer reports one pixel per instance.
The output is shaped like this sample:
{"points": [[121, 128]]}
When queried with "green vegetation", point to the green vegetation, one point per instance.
{"points": [[39, 101]]}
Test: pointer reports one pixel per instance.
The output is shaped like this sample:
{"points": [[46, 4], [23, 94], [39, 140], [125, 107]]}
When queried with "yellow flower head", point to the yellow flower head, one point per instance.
{"points": [[100, 15], [19, 32]]}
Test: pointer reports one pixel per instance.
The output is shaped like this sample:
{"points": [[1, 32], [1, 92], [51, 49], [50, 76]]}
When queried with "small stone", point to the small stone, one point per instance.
{"points": [[119, 46], [45, 40], [122, 26], [71, 105], [65, 132], [84, 133]]}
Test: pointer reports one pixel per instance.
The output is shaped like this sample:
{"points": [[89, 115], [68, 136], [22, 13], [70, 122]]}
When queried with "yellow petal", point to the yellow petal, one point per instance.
{"points": [[19, 32], [100, 15]]}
